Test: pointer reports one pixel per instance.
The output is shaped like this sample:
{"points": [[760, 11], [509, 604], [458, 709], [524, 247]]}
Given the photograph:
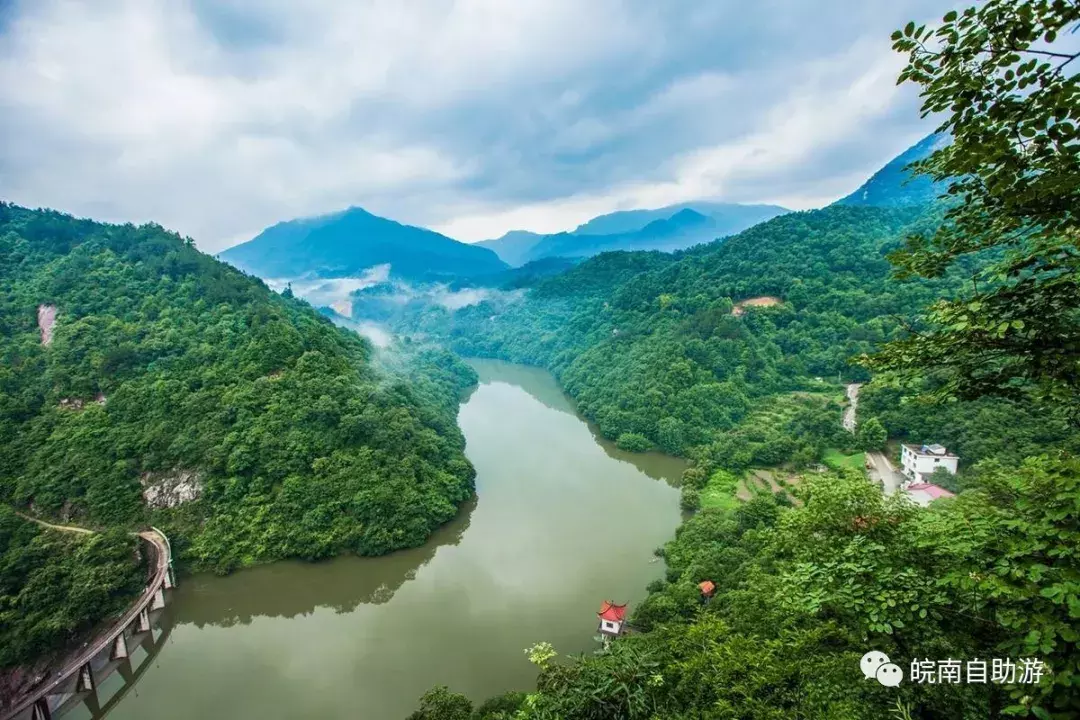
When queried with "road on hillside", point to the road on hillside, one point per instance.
{"points": [[61, 528], [881, 470], [103, 641], [853, 402]]}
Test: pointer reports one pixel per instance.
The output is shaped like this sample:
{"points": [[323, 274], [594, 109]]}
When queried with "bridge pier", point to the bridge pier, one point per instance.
{"points": [[77, 682], [143, 621], [119, 648], [84, 683], [93, 704], [41, 710], [127, 672]]}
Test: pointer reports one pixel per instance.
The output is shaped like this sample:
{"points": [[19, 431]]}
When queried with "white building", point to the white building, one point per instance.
{"points": [[920, 462]]}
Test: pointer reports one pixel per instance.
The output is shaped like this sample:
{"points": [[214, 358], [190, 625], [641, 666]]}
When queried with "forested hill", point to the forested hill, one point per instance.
{"points": [[664, 350], [347, 243], [655, 346], [894, 185], [170, 373]]}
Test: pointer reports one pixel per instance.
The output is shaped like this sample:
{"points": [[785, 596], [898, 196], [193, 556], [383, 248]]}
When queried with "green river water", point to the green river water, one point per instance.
{"points": [[562, 520]]}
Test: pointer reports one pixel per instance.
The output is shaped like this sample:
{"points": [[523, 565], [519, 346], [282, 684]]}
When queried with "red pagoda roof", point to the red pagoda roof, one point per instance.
{"points": [[612, 612]]}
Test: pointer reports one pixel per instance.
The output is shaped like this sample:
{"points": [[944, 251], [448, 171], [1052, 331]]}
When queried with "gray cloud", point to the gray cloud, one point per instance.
{"points": [[219, 117]]}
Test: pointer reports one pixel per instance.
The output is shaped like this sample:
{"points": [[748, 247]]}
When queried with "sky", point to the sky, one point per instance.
{"points": [[217, 118]]}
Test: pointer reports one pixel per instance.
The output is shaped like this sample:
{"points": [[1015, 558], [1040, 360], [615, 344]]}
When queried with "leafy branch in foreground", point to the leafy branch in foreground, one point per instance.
{"points": [[1012, 107]]}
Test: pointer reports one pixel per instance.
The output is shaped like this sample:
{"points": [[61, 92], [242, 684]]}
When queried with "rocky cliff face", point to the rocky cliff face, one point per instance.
{"points": [[46, 318], [172, 488]]}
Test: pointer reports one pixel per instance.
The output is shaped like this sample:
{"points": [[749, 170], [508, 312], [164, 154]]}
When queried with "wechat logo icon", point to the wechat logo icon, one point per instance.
{"points": [[876, 664]]}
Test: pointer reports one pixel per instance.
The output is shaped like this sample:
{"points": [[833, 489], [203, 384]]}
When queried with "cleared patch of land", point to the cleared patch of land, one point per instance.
{"points": [[836, 460], [723, 490], [761, 301]]}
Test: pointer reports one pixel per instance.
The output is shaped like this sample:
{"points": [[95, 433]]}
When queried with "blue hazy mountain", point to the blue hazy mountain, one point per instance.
{"points": [[668, 228], [513, 247], [347, 242], [894, 186], [726, 215]]}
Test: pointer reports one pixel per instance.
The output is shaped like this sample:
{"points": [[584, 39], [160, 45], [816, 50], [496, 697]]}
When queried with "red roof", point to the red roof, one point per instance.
{"points": [[612, 612], [707, 587], [932, 490]]}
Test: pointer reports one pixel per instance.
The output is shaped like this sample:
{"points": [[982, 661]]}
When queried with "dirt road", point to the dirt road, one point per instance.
{"points": [[853, 402], [61, 528]]}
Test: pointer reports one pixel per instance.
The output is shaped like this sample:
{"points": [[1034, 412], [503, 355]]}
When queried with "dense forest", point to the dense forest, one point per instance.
{"points": [[658, 352], [166, 368], [966, 312], [55, 586]]}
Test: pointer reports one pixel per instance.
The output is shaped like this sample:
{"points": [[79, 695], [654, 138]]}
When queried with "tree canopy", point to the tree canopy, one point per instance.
{"points": [[1011, 103], [165, 361], [804, 588]]}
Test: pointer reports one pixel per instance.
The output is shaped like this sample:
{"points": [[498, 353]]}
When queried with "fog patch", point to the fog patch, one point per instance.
{"points": [[386, 299], [457, 299], [375, 333], [332, 292]]}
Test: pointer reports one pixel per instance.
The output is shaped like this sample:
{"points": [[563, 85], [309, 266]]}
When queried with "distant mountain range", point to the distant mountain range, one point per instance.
{"points": [[893, 186], [668, 228], [346, 243]]}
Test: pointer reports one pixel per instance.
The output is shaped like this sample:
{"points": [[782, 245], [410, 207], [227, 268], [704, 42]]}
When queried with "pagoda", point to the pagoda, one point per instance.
{"points": [[612, 619], [708, 589]]}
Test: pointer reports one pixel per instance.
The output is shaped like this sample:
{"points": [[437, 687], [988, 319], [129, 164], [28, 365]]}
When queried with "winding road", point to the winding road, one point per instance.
{"points": [[114, 642]]}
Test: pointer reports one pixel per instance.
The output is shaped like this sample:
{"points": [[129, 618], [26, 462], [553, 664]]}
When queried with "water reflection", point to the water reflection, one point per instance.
{"points": [[561, 524], [543, 386], [290, 588]]}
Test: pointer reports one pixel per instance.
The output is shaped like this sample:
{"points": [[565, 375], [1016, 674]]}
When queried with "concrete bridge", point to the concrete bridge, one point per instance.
{"points": [[77, 682]]}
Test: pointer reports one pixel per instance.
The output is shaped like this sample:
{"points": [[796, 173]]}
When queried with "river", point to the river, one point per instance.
{"points": [[561, 521]]}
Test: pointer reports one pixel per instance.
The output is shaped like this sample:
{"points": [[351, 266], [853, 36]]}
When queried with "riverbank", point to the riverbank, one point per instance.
{"points": [[560, 522]]}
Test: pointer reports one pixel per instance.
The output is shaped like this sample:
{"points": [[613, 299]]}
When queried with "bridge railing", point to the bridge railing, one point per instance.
{"points": [[36, 705]]}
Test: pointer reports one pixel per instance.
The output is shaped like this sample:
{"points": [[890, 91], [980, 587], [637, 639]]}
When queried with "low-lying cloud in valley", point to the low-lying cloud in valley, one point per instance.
{"points": [[369, 313]]}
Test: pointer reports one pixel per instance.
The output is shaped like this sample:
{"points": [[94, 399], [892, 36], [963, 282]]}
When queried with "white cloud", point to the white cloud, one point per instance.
{"points": [[220, 117], [832, 99]]}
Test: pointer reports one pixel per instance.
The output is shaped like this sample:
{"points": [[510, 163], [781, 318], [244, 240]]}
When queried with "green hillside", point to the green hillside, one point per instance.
{"points": [[974, 335], [169, 372], [653, 345], [55, 587]]}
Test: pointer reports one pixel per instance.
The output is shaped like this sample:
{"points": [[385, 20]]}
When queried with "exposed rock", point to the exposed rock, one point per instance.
{"points": [[79, 403], [172, 488], [46, 320]]}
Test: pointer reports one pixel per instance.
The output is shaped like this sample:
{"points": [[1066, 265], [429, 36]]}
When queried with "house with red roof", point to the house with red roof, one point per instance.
{"points": [[612, 619], [926, 493]]}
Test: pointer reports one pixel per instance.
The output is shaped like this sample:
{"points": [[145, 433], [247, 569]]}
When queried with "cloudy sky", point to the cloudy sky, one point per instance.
{"points": [[217, 118]]}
